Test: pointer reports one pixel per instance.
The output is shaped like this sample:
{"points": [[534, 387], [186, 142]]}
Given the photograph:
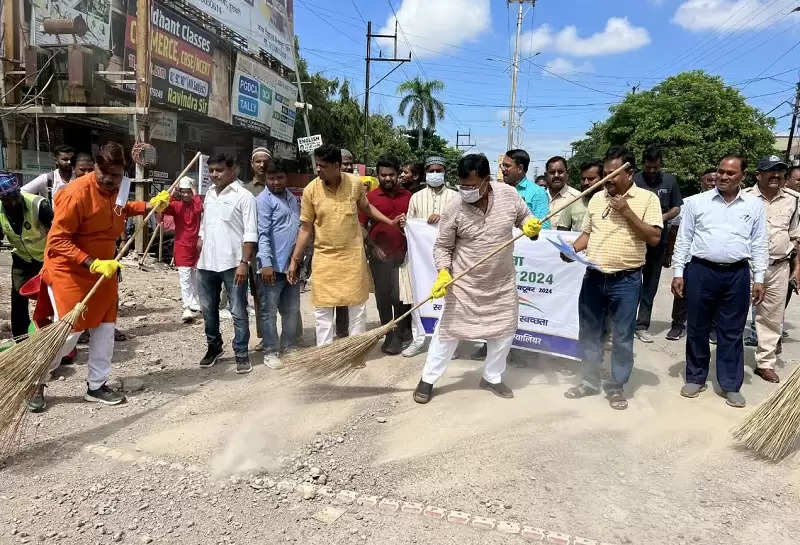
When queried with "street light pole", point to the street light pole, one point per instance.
{"points": [[512, 115]]}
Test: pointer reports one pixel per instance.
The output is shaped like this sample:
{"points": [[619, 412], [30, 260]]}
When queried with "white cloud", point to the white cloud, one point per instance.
{"points": [[433, 27], [730, 15], [619, 36], [564, 67]]}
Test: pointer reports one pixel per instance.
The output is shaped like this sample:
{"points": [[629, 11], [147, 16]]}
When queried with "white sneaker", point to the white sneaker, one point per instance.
{"points": [[225, 314], [643, 336], [417, 346], [273, 361], [188, 316], [196, 310]]}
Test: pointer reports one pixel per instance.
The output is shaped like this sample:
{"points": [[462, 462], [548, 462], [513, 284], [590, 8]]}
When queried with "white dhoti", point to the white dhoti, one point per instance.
{"points": [[441, 352], [188, 281], [101, 349], [325, 326]]}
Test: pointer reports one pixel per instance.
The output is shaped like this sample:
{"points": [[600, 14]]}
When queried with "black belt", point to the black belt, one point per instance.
{"points": [[617, 274], [720, 266]]}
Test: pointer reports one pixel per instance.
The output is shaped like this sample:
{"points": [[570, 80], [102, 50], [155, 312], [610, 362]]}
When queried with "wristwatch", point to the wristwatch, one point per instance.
{"points": [[245, 262]]}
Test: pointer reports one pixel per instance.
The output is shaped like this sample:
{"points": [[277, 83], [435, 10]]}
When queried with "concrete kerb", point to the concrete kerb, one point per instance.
{"points": [[385, 505]]}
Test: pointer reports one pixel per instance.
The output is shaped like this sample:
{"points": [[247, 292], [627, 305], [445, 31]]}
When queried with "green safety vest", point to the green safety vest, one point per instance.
{"points": [[29, 246]]}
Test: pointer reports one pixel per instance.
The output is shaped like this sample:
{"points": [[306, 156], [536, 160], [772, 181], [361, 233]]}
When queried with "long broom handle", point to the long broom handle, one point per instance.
{"points": [[149, 244], [127, 245], [516, 238]]}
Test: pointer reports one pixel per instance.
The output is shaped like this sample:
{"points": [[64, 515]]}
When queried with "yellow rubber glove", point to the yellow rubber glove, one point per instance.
{"points": [[160, 201], [439, 289], [532, 227], [106, 267]]}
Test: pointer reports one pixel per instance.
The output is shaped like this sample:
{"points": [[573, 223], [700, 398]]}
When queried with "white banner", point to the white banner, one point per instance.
{"points": [[547, 287], [266, 24]]}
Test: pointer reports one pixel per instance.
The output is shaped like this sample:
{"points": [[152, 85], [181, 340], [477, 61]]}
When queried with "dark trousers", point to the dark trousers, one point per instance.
{"points": [[21, 272], [651, 274], [679, 312], [342, 322], [608, 299], [386, 276], [723, 292]]}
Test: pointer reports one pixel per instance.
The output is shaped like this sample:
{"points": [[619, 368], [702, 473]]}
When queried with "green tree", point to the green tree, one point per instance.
{"points": [[421, 104], [693, 116]]}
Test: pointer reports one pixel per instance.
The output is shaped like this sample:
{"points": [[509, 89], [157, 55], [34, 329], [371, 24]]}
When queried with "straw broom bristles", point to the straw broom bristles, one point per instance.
{"points": [[774, 427], [345, 356], [23, 366]]}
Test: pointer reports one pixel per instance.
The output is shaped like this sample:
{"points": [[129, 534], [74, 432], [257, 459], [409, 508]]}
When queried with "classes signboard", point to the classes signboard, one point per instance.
{"points": [[262, 101], [309, 143], [182, 59], [266, 24]]}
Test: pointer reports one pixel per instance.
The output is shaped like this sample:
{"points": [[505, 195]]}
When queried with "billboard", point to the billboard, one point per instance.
{"points": [[266, 24], [262, 101], [96, 14], [182, 59]]}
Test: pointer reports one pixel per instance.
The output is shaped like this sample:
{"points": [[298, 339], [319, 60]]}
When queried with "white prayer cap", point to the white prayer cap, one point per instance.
{"points": [[186, 183]]}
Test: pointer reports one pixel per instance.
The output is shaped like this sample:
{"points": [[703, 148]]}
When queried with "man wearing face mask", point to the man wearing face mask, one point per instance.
{"points": [[483, 304], [618, 225], [80, 248], [386, 249], [558, 190], [426, 205]]}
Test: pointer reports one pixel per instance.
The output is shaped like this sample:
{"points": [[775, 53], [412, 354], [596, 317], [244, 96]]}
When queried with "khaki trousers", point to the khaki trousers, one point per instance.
{"points": [[769, 314]]}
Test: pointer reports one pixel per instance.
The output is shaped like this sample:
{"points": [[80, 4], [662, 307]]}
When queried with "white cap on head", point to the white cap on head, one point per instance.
{"points": [[187, 182]]}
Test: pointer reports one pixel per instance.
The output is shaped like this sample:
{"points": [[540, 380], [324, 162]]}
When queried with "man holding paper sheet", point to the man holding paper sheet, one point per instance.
{"points": [[619, 224]]}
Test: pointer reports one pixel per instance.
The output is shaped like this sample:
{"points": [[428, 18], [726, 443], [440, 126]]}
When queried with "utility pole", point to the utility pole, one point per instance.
{"points": [[794, 123], [10, 36], [140, 122], [468, 136], [305, 106], [512, 122], [367, 87]]}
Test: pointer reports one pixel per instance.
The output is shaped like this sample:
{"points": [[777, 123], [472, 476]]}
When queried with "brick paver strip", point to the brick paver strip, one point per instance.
{"points": [[346, 496], [508, 527], [389, 505], [557, 538], [458, 517], [434, 512], [412, 508], [483, 523], [369, 501], [532, 533]]}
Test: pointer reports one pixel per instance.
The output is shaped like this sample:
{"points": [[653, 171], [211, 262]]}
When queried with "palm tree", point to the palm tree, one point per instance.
{"points": [[419, 95]]}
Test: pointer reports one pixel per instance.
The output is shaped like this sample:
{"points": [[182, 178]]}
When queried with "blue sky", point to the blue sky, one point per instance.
{"points": [[599, 48]]}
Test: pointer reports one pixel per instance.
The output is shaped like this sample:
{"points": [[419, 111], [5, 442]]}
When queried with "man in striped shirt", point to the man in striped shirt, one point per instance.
{"points": [[426, 204]]}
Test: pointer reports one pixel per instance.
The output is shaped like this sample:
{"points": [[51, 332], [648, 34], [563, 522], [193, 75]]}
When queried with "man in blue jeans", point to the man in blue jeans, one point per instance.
{"points": [[278, 225], [619, 224], [228, 237]]}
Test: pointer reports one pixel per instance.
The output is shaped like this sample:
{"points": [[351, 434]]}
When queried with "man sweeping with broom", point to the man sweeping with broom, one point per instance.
{"points": [[484, 304], [80, 246]]}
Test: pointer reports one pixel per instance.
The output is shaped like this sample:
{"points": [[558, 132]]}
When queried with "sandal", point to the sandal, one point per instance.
{"points": [[577, 392], [617, 401]]}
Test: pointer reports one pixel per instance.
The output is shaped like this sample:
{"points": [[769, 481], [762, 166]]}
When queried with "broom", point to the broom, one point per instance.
{"points": [[343, 356], [774, 427], [23, 365]]}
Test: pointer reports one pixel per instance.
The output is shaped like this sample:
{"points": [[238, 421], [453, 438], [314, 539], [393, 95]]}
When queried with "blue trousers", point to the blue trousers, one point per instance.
{"points": [[284, 298], [209, 285], [724, 293], [613, 298]]}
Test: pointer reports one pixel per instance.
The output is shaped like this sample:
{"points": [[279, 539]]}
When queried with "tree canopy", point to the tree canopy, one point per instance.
{"points": [[694, 117], [423, 108]]}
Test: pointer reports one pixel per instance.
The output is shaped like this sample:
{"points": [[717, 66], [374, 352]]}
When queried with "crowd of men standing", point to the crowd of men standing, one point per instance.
{"points": [[733, 251]]}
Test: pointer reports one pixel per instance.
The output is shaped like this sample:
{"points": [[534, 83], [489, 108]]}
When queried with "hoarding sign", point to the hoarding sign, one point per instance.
{"points": [[262, 101], [182, 59], [96, 14], [309, 143], [266, 24]]}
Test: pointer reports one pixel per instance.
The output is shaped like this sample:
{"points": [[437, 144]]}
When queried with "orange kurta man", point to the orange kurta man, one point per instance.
{"points": [[87, 224]]}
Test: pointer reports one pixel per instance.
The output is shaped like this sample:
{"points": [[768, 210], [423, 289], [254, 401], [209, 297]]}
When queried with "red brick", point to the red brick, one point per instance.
{"points": [[458, 517], [508, 527], [389, 505], [369, 501], [483, 523], [557, 539], [412, 508], [533, 534], [346, 496], [434, 512]]}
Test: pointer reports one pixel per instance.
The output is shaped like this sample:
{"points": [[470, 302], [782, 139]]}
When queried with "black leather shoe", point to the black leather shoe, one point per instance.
{"points": [[423, 393], [499, 389], [392, 345]]}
